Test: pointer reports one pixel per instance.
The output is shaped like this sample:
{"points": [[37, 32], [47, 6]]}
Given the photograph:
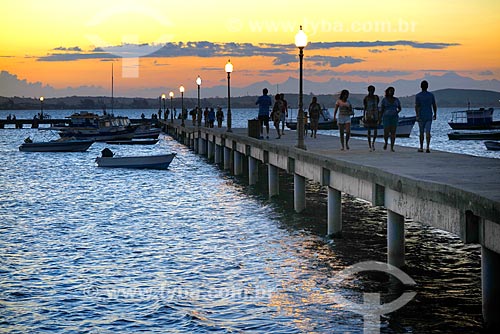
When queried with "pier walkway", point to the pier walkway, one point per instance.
{"points": [[453, 192]]}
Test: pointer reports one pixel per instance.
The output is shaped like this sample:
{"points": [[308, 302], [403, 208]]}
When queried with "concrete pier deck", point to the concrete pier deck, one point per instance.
{"points": [[453, 192]]}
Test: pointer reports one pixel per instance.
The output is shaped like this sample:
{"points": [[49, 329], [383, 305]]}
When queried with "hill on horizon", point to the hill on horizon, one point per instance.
{"points": [[449, 97]]}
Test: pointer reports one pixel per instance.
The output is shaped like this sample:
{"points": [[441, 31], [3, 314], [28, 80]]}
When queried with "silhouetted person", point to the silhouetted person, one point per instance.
{"points": [[371, 117], [264, 102], [314, 112], [344, 107], [284, 113], [425, 104], [276, 113], [390, 108]]}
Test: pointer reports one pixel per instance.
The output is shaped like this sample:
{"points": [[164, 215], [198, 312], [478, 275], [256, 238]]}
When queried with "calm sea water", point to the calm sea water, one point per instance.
{"points": [[195, 250]]}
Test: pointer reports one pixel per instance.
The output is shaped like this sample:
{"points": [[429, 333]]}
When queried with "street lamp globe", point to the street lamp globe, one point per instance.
{"points": [[229, 66], [198, 80], [301, 39]]}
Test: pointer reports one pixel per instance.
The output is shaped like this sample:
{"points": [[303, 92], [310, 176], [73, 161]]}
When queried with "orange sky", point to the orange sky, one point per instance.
{"points": [[54, 42]]}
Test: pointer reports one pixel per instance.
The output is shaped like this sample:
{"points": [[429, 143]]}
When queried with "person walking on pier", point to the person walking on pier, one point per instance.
{"points": [[276, 113], [425, 104], [211, 118], [284, 113], [344, 107], [220, 117], [199, 115], [371, 115], [264, 102], [314, 112], [390, 108]]}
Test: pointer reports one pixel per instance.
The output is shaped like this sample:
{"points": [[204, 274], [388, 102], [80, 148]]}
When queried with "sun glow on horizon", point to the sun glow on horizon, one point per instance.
{"points": [[66, 44]]}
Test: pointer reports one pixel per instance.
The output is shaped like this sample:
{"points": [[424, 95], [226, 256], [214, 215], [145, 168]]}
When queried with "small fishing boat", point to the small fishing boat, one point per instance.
{"points": [[492, 145], [161, 161], [59, 145], [456, 135], [473, 119], [133, 142], [146, 132]]}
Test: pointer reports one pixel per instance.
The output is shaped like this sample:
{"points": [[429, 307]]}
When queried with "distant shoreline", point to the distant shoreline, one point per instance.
{"points": [[446, 98]]}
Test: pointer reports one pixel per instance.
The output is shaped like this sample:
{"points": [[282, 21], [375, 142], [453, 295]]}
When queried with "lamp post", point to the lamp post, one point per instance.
{"points": [[300, 42], [181, 89], [198, 82], [171, 94], [163, 97], [229, 69], [41, 107]]}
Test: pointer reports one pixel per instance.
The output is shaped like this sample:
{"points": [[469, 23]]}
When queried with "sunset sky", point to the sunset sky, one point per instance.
{"points": [[156, 45]]}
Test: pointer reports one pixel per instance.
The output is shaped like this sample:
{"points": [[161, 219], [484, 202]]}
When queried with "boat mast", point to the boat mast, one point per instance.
{"points": [[112, 88]]}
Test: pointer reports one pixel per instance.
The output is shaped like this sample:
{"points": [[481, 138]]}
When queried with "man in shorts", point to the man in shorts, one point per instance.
{"points": [[425, 104], [264, 102]]}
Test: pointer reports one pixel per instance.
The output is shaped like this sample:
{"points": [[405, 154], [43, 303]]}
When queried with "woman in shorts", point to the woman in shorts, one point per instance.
{"points": [[344, 107]]}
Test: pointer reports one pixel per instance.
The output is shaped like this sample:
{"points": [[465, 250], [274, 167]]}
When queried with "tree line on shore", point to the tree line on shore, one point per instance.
{"points": [[445, 98]]}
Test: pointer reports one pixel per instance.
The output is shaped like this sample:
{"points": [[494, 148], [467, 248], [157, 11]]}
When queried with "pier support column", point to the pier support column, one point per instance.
{"points": [[490, 284], [210, 153], [253, 170], [218, 154], [395, 239], [227, 158], [334, 212], [238, 163], [273, 180], [299, 193], [201, 146], [196, 142]]}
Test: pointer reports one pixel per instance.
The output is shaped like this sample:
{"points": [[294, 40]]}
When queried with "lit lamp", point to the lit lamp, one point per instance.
{"points": [[41, 106], [300, 42], [171, 94], [163, 97], [181, 89], [198, 82], [229, 69]]}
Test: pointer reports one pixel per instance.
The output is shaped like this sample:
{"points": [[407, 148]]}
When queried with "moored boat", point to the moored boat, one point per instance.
{"points": [[492, 135], [133, 142], [405, 126], [90, 126], [59, 145], [492, 145], [473, 119], [160, 161], [325, 122]]}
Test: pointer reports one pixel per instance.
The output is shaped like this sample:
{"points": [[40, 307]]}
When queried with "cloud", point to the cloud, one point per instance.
{"points": [[74, 48], [486, 73], [366, 44], [205, 49]]}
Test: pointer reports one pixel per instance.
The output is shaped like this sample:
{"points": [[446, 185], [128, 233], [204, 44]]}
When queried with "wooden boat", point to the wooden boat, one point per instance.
{"points": [[475, 119], [492, 145], [133, 142], [59, 145], [161, 161], [456, 135], [90, 126], [405, 126], [146, 132]]}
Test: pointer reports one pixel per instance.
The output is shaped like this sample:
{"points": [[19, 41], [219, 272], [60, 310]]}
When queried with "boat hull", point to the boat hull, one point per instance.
{"points": [[57, 146], [474, 135], [146, 162], [405, 126], [492, 145], [133, 142]]}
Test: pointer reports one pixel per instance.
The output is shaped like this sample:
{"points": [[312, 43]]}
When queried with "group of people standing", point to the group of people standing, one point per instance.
{"points": [[375, 112], [278, 114], [387, 114]]}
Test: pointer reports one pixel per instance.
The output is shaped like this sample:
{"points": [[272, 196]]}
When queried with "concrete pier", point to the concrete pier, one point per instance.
{"points": [[334, 212], [253, 170], [299, 192], [395, 239], [273, 180], [452, 192]]}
